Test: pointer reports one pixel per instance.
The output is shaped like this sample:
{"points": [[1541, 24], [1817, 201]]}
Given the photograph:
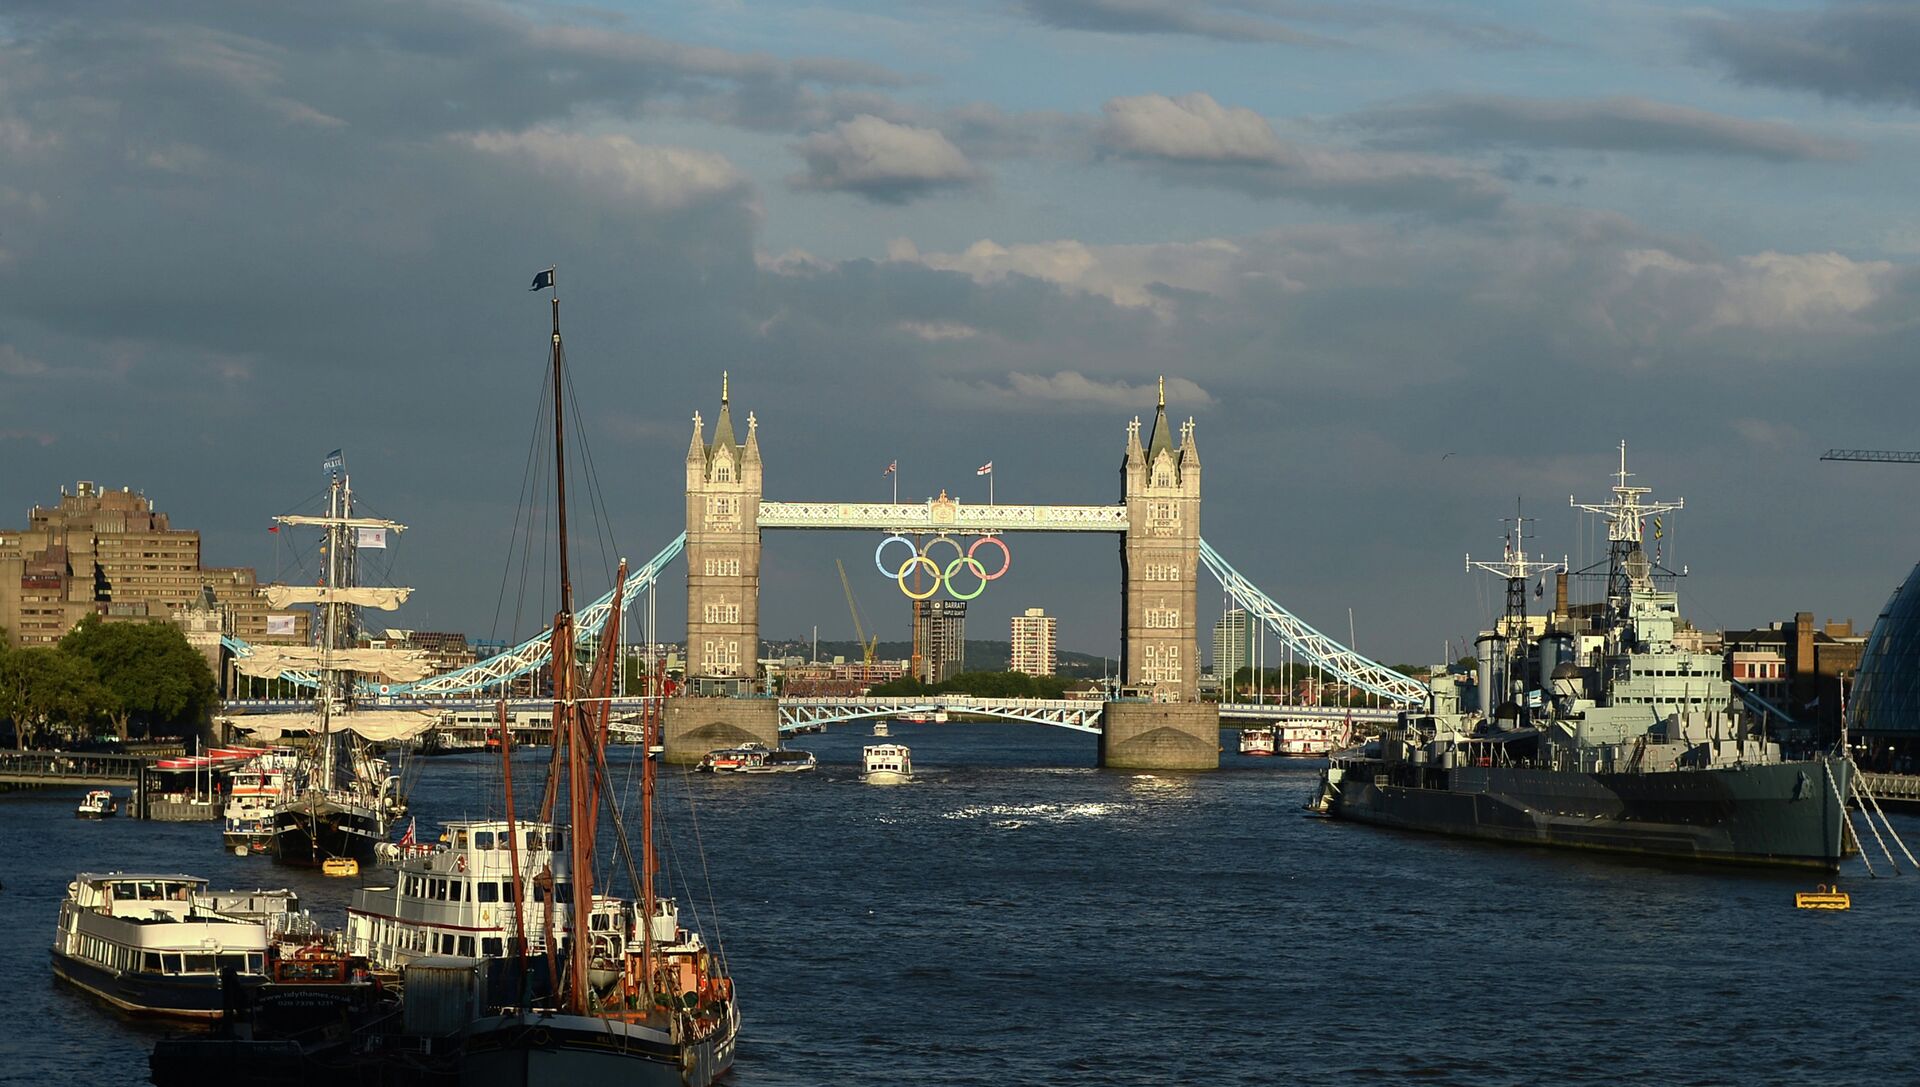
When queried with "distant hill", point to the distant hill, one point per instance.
{"points": [[982, 655]]}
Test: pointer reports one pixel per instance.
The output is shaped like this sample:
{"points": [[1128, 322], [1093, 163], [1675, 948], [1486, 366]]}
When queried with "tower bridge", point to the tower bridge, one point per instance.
{"points": [[1161, 556]]}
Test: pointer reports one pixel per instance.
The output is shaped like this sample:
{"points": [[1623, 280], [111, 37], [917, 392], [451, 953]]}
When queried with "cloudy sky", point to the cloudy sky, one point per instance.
{"points": [[1404, 263]]}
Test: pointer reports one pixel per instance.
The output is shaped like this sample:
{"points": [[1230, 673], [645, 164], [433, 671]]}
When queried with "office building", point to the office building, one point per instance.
{"points": [[1033, 642]]}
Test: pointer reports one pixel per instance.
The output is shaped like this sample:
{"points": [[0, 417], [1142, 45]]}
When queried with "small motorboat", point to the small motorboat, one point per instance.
{"points": [[887, 764], [880, 728], [97, 804]]}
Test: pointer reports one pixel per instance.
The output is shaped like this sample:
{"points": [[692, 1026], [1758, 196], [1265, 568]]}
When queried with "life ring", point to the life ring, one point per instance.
{"points": [[539, 1037], [460, 863]]}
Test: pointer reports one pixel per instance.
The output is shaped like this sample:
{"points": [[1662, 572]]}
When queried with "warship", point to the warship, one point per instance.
{"points": [[1602, 728]]}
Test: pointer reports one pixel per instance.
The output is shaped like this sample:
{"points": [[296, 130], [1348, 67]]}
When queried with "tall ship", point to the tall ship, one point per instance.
{"points": [[346, 794], [632, 995], [1607, 730]]}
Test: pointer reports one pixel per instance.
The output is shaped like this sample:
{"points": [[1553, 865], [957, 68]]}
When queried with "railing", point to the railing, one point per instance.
{"points": [[70, 768]]}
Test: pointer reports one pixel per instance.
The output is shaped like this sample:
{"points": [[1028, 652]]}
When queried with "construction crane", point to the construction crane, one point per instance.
{"points": [[867, 648], [1874, 455]]}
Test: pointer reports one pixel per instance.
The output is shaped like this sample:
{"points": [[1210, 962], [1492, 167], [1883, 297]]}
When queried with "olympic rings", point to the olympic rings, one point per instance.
{"points": [[963, 559], [1006, 557], [883, 546], [979, 571], [912, 563]]}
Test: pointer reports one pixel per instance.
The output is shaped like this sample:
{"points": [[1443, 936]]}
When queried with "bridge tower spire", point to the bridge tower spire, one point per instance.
{"points": [[723, 555]]}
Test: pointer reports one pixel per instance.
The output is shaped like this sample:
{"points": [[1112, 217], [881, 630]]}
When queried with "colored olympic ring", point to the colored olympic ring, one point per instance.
{"points": [[883, 546], [911, 564], [1006, 558], [949, 541], [978, 570]]}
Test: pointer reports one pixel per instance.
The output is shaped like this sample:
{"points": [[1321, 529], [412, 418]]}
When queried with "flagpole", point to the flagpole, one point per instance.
{"points": [[896, 482]]}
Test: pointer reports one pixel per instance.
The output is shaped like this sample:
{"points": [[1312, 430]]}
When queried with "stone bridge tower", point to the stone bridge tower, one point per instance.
{"points": [[723, 556], [1159, 576]]}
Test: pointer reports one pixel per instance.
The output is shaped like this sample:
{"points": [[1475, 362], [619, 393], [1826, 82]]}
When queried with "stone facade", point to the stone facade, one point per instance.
{"points": [[1160, 736], [723, 551], [695, 726], [1160, 562]]}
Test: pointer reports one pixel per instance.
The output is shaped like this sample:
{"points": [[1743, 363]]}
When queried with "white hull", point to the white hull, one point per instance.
{"points": [[886, 777]]}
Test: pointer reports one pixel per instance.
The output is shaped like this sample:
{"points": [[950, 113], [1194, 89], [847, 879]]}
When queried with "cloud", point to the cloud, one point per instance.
{"points": [[938, 331], [1862, 51], [1196, 140], [15, 364], [1070, 390], [882, 161], [1132, 277], [1604, 124], [1763, 292], [1196, 18], [662, 178]]}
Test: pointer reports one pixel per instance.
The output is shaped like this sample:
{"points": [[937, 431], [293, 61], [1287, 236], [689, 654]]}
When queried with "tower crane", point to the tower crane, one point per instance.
{"points": [[1879, 456], [867, 648]]}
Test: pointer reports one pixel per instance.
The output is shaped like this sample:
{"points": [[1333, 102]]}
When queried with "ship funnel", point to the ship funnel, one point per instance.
{"points": [[1491, 651]]}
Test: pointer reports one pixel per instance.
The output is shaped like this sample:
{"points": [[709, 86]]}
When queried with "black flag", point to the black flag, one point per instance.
{"points": [[542, 281]]}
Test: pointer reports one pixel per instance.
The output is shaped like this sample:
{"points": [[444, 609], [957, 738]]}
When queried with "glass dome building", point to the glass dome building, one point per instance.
{"points": [[1884, 716]]}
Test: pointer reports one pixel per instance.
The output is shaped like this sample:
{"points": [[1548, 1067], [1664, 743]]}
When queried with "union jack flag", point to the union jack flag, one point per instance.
{"points": [[408, 838], [891, 468]]}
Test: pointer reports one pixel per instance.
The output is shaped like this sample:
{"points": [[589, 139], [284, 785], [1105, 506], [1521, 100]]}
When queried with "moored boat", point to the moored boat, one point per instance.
{"points": [[1256, 741], [144, 944], [886, 764]]}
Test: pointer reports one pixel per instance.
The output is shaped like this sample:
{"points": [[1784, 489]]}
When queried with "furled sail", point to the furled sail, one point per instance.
{"points": [[374, 725], [399, 665], [283, 596]]}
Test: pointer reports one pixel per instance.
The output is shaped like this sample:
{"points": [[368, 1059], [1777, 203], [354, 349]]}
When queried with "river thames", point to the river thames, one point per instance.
{"points": [[1016, 916]]}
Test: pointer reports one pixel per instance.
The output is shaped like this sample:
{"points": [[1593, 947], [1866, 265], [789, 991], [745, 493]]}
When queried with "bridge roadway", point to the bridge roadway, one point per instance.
{"points": [[71, 768], [796, 714]]}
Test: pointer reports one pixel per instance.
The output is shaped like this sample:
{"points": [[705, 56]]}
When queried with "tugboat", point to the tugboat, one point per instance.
{"points": [[1602, 734], [97, 804]]}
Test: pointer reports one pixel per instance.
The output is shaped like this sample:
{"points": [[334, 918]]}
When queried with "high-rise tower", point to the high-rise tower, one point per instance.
{"points": [[723, 551], [1160, 559]]}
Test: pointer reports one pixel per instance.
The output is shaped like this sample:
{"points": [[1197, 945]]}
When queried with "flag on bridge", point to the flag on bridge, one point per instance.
{"points": [[891, 468], [542, 281], [984, 470]]}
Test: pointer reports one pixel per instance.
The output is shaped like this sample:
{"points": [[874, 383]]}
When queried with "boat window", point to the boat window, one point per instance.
{"points": [[236, 960], [491, 947], [489, 891], [533, 839], [149, 892], [256, 962], [170, 962], [200, 964], [150, 962], [563, 892], [466, 945], [460, 840], [483, 839]]}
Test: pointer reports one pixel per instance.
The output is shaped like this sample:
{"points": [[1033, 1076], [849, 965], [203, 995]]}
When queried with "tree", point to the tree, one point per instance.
{"points": [[41, 687], [155, 677]]}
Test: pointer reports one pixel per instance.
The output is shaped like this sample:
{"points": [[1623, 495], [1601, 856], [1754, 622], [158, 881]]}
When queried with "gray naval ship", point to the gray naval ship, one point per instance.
{"points": [[1599, 733]]}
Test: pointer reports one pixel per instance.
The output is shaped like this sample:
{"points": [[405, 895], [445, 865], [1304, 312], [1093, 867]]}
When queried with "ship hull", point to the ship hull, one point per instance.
{"points": [[307, 837], [523, 1051], [179, 997], [1782, 814]]}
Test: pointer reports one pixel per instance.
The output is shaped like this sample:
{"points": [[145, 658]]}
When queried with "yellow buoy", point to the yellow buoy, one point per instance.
{"points": [[1823, 898], [340, 866]]}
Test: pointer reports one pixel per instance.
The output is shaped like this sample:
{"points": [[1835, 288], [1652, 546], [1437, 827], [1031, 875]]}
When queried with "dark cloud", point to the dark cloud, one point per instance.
{"points": [[1280, 21], [1195, 140], [1862, 51], [1604, 124], [1225, 22]]}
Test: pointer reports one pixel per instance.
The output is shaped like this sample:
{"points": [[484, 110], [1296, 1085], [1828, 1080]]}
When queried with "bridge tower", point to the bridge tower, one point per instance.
{"points": [[1159, 572], [723, 596]]}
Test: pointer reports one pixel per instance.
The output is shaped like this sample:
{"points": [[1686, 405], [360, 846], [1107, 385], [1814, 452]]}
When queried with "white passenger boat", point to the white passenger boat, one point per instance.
{"points": [[733, 760], [97, 804], [154, 944], [880, 728], [784, 762], [887, 764], [253, 793], [1311, 739], [1256, 741]]}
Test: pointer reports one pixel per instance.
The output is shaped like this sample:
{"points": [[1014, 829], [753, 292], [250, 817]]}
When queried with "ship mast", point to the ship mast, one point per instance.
{"points": [[1627, 567], [1517, 570]]}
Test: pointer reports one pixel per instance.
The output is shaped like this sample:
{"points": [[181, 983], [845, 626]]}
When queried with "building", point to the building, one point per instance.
{"points": [[1159, 561], [110, 553], [1818, 657], [1885, 711], [723, 554], [1232, 647], [940, 639], [1034, 638]]}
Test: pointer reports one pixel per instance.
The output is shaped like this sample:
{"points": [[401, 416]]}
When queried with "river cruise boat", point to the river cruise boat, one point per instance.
{"points": [[457, 897], [1256, 741], [1310, 739], [881, 728], [253, 793], [153, 945], [732, 760], [887, 764], [784, 762], [97, 804]]}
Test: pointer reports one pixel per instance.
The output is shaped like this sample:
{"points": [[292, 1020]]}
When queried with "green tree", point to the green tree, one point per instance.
{"points": [[41, 687], [155, 677]]}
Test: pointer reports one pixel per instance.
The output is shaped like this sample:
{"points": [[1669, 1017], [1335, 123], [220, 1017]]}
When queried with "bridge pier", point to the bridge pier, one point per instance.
{"points": [[694, 726], [1160, 736]]}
